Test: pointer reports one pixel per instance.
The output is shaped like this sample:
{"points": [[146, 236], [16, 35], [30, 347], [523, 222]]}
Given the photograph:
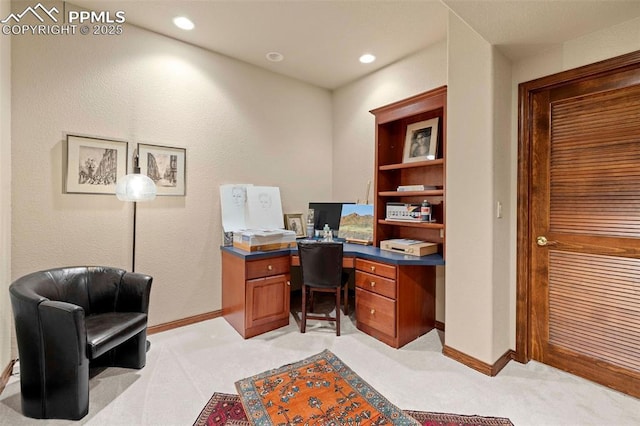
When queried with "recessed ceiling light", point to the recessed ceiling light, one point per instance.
{"points": [[183, 23], [367, 58], [275, 56]]}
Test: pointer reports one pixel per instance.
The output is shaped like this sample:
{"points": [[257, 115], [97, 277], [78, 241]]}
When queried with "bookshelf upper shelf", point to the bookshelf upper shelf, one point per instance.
{"points": [[428, 163], [426, 193], [411, 224]]}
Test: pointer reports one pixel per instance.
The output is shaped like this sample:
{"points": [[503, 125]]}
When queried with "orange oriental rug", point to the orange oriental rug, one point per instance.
{"points": [[319, 390]]}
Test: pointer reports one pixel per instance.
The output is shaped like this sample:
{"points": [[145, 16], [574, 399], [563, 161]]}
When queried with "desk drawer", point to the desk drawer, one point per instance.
{"points": [[376, 284], [347, 261], [376, 311], [267, 267], [382, 269]]}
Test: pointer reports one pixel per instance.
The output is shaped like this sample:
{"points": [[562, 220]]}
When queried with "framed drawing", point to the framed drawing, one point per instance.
{"points": [[293, 222], [165, 166], [421, 141], [94, 165]]}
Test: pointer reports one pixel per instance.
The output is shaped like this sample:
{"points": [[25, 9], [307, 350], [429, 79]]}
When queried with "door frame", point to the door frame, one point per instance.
{"points": [[524, 241]]}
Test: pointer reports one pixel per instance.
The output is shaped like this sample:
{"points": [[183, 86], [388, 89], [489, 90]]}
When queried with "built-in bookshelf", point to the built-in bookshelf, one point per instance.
{"points": [[393, 171]]}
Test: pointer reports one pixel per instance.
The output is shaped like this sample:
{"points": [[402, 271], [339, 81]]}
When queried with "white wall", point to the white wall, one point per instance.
{"points": [[6, 316], [354, 126], [604, 44], [504, 236], [613, 41], [470, 193], [239, 124]]}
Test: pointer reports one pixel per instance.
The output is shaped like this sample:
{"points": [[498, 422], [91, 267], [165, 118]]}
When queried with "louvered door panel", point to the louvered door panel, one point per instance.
{"points": [[595, 164], [594, 306]]}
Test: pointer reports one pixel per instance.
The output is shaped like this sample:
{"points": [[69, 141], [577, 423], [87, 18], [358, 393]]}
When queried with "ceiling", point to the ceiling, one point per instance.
{"points": [[322, 40]]}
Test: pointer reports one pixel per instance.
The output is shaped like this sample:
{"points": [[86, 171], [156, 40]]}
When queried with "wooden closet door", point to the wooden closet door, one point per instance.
{"points": [[584, 240]]}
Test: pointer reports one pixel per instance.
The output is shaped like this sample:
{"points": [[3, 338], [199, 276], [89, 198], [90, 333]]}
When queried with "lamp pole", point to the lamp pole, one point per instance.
{"points": [[133, 248], [136, 170], [135, 187]]}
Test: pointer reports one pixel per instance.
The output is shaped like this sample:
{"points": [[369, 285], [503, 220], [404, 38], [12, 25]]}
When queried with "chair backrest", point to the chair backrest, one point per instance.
{"points": [[321, 263], [93, 288]]}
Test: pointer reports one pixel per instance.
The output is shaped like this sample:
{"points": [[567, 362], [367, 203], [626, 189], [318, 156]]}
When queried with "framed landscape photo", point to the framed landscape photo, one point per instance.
{"points": [[166, 166], [356, 223], [293, 222], [421, 141], [94, 165]]}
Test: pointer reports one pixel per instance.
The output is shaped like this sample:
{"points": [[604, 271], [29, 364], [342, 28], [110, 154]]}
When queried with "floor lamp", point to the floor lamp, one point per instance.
{"points": [[135, 187]]}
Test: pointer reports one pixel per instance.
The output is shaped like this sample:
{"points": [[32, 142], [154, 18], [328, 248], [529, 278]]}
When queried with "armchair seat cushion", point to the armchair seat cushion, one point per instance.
{"points": [[108, 330]]}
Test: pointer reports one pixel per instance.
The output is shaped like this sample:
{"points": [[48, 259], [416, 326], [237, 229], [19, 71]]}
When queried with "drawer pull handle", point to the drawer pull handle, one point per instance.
{"points": [[373, 311], [289, 283], [373, 268], [373, 283], [270, 268]]}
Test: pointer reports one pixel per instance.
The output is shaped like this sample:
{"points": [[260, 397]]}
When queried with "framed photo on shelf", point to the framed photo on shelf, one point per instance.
{"points": [[421, 141], [293, 222], [166, 166], [94, 165]]}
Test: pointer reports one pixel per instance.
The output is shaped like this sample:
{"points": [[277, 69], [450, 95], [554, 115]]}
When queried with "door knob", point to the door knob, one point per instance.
{"points": [[542, 241]]}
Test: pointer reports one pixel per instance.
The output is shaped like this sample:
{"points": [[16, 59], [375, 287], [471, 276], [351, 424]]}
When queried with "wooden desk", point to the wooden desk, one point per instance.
{"points": [[395, 293]]}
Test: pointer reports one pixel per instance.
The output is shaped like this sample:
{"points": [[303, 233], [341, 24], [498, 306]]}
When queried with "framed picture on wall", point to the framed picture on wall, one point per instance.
{"points": [[166, 166], [94, 165], [293, 222], [421, 141]]}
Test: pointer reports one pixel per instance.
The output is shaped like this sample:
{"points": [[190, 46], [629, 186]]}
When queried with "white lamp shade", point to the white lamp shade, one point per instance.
{"points": [[136, 187]]}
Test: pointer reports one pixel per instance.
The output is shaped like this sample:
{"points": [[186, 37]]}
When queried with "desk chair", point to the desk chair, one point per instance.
{"points": [[321, 267]]}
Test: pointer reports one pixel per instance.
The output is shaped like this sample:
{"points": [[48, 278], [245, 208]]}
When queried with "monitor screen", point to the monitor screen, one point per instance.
{"points": [[328, 213]]}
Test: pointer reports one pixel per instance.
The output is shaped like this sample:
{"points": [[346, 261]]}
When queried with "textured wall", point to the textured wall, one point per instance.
{"points": [[503, 234], [5, 195], [237, 122], [470, 193]]}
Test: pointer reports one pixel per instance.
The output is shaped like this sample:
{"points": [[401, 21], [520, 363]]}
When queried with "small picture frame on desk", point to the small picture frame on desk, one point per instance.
{"points": [[293, 222], [421, 141]]}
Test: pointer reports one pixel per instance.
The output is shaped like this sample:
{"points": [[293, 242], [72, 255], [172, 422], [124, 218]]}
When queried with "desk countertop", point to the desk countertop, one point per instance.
{"points": [[355, 250]]}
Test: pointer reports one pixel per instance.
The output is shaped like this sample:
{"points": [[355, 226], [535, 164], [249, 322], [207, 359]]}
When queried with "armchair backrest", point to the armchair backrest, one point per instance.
{"points": [[93, 288], [321, 263]]}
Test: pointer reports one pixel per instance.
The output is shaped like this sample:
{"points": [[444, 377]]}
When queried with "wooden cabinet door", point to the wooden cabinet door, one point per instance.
{"points": [[267, 300]]}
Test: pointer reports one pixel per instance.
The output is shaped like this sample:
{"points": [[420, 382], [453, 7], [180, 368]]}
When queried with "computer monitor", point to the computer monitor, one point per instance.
{"points": [[326, 213]]}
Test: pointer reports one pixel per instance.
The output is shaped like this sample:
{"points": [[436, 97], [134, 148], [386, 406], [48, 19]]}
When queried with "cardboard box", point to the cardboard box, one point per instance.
{"points": [[262, 240], [263, 247], [410, 247]]}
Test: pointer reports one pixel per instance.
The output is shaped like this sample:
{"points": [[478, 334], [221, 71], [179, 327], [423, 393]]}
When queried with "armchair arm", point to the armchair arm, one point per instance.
{"points": [[133, 293], [64, 334]]}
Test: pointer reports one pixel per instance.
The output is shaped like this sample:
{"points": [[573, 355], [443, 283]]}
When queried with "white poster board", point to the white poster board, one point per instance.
{"points": [[265, 208], [233, 201]]}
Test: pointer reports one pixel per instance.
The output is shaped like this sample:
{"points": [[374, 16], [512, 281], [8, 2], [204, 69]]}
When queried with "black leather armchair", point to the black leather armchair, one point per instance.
{"points": [[67, 318]]}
